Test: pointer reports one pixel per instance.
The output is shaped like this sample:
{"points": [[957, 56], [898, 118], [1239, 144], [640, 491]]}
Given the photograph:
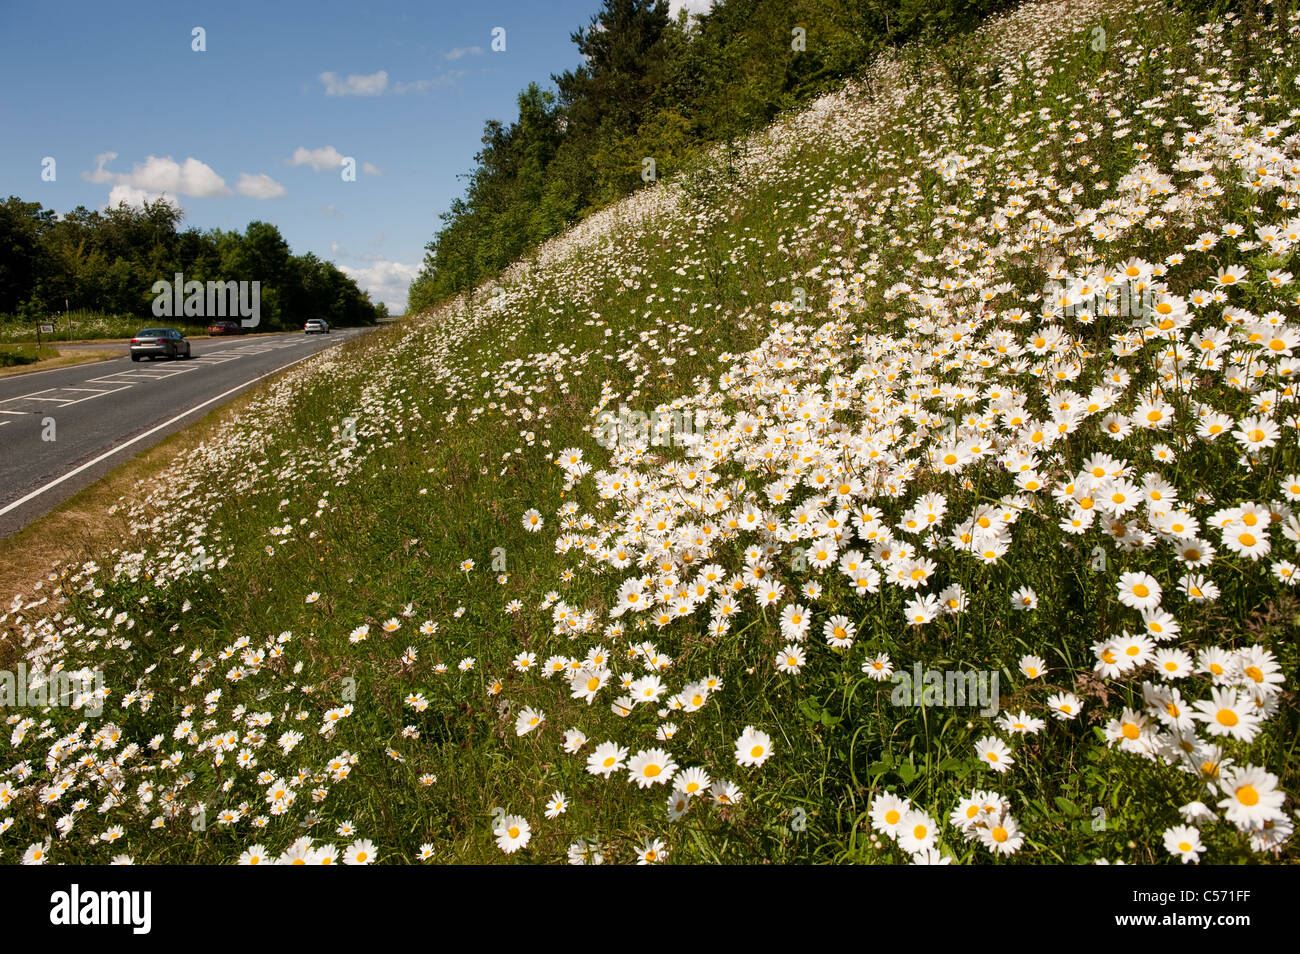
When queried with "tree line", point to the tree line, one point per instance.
{"points": [[108, 261], [654, 86]]}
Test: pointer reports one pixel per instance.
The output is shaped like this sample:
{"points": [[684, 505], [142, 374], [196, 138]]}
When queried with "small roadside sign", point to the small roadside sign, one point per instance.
{"points": [[47, 329]]}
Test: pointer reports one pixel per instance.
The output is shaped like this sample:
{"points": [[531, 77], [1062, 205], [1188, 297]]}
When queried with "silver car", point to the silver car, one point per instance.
{"points": [[317, 326], [159, 343]]}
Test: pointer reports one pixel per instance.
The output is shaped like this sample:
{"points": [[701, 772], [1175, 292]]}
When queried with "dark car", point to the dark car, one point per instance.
{"points": [[159, 343], [225, 328]]}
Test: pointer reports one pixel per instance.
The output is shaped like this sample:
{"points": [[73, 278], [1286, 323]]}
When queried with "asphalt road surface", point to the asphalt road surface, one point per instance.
{"points": [[102, 414]]}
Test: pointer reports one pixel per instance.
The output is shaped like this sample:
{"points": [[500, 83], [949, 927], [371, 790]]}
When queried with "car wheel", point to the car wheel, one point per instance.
{"points": [[135, 357]]}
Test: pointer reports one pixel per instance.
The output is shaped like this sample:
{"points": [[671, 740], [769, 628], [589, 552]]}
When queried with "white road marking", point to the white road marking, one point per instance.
{"points": [[97, 394], [33, 394], [214, 357], [121, 380], [139, 437], [125, 352], [51, 396]]}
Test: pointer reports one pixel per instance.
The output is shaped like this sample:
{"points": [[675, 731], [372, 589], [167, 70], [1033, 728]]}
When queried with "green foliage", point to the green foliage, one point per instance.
{"points": [[12, 356], [654, 87], [108, 262]]}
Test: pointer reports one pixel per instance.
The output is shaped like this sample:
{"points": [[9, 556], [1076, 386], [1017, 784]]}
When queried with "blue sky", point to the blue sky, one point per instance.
{"points": [[258, 125]]}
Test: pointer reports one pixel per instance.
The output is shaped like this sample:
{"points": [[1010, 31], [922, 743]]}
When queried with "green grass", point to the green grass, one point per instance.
{"points": [[370, 474], [16, 356], [84, 326]]}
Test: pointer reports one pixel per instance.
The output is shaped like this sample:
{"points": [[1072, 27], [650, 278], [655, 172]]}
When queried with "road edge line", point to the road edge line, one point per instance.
{"points": [[153, 430]]}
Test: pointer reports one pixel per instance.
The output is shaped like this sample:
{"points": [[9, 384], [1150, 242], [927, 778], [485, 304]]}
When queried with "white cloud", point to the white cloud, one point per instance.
{"points": [[463, 51], [692, 6], [369, 168], [260, 186], [376, 84], [438, 82], [355, 84], [161, 174], [136, 197], [326, 157], [384, 281]]}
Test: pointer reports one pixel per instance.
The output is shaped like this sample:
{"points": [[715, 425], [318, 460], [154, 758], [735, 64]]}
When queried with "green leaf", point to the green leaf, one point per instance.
{"points": [[881, 767], [1068, 807]]}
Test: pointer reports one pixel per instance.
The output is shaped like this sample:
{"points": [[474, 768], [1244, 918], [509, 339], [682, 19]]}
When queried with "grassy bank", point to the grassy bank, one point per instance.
{"points": [[17, 356]]}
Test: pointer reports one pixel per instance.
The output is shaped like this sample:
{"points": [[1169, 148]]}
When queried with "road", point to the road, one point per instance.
{"points": [[100, 415]]}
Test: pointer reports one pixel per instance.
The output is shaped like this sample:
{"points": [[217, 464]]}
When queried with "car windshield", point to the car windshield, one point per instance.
{"points": [[153, 333]]}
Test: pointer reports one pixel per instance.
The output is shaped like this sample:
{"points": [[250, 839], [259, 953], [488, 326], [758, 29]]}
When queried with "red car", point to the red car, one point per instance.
{"points": [[225, 328]]}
